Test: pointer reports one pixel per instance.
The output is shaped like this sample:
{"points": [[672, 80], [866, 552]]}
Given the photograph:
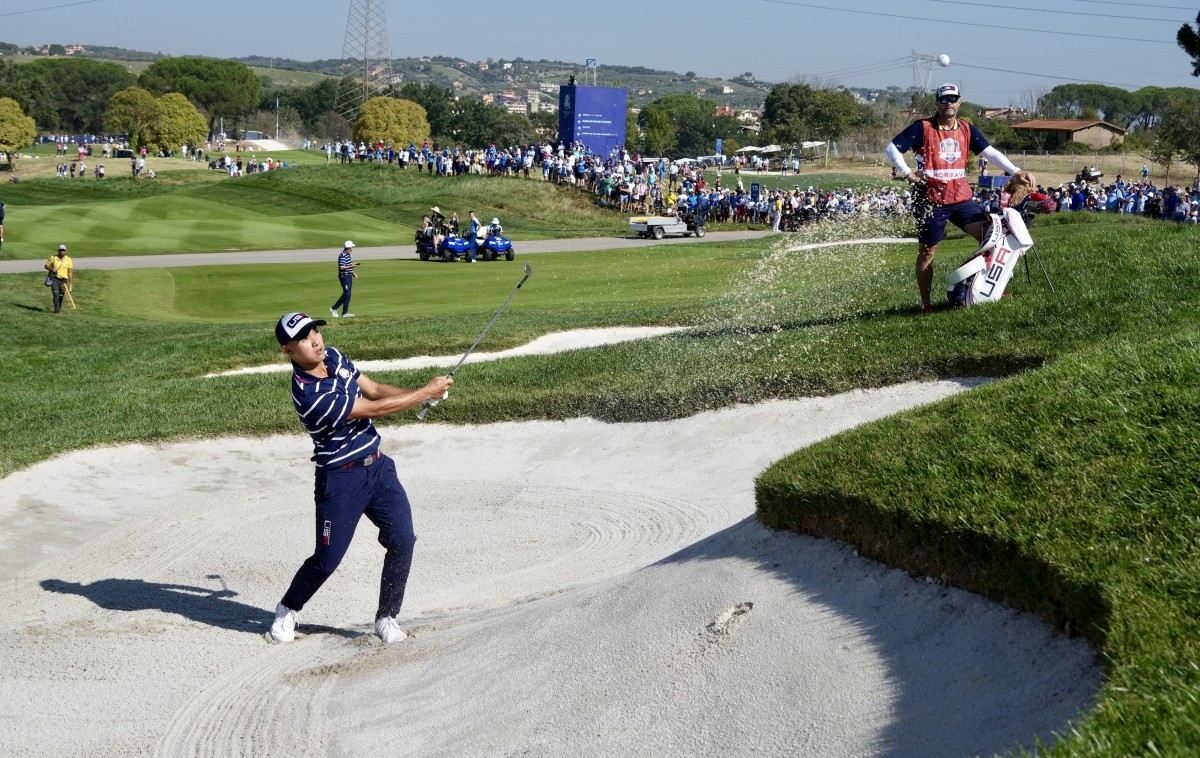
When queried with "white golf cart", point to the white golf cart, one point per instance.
{"points": [[657, 227]]}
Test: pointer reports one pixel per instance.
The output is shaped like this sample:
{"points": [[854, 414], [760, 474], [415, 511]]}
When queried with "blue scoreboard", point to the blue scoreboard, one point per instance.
{"points": [[594, 116]]}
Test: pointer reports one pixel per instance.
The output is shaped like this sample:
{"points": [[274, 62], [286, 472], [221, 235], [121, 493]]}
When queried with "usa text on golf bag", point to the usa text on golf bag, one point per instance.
{"points": [[985, 275]]}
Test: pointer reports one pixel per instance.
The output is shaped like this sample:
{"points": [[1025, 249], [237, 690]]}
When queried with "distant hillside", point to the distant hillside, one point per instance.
{"points": [[479, 77], [497, 78], [493, 77]]}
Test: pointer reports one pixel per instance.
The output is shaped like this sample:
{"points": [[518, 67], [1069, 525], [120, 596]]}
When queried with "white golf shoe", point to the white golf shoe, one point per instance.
{"points": [[389, 631], [284, 627], [347, 315], [333, 313]]}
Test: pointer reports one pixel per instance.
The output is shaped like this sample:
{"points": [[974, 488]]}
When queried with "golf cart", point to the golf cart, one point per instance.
{"points": [[452, 248], [657, 227], [496, 245], [1092, 174]]}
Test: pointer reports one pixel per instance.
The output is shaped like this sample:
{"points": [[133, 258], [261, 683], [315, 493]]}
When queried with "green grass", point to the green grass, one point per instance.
{"points": [[191, 210], [305, 207], [1069, 487]]}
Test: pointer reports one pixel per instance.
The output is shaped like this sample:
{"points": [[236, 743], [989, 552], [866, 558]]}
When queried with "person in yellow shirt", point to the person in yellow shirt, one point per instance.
{"points": [[62, 275]]}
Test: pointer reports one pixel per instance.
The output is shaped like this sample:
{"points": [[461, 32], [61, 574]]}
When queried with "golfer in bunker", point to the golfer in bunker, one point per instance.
{"points": [[941, 191], [336, 403]]}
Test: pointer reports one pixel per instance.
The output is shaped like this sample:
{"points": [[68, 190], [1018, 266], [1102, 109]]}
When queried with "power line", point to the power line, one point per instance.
{"points": [[1087, 14], [967, 23], [1124, 4], [48, 8], [1051, 76]]}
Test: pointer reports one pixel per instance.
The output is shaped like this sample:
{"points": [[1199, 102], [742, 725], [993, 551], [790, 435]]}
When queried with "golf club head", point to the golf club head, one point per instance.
{"points": [[528, 269]]}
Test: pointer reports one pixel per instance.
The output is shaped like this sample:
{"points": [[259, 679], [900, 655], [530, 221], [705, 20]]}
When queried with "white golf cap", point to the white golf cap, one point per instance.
{"points": [[348, 244], [62, 248], [948, 89], [495, 220]]}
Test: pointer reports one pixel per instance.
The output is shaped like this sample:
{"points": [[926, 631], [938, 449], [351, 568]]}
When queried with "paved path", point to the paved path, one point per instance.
{"points": [[407, 251]]}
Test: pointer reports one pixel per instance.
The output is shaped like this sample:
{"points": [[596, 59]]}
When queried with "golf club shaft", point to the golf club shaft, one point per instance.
{"points": [[430, 403]]}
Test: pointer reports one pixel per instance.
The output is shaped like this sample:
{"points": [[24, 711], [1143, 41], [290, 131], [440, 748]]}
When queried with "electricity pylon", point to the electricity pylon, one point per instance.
{"points": [[366, 57]]}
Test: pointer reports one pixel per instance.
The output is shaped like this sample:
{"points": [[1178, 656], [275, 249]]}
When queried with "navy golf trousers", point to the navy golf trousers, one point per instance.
{"points": [[343, 496], [347, 282]]}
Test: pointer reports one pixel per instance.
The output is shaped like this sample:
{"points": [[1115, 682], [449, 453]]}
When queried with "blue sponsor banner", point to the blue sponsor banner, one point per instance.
{"points": [[594, 116], [754, 191], [720, 144]]}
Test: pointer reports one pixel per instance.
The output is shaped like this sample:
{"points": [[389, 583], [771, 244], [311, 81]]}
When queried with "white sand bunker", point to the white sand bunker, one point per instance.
{"points": [[579, 588], [572, 339]]}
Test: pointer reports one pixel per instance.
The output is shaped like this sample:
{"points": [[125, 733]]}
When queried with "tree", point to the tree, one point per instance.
{"points": [[56, 49], [514, 129], [695, 123], [310, 102], [388, 120], [16, 129], [132, 110], [69, 94], [438, 103], [474, 123], [659, 134], [794, 113], [333, 126], [178, 123], [545, 124], [1189, 39], [223, 89], [1177, 136]]}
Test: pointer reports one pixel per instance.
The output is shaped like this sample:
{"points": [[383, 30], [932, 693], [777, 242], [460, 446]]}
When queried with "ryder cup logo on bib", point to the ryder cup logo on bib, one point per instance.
{"points": [[344, 373], [949, 150]]}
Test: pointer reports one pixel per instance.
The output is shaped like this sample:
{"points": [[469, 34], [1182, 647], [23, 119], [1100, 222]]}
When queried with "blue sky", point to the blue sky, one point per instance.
{"points": [[999, 53]]}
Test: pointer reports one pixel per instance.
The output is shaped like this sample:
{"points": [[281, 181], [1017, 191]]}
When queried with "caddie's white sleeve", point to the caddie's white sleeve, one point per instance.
{"points": [[1000, 159], [897, 159]]}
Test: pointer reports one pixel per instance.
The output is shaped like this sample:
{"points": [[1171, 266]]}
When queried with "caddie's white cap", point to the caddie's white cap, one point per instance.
{"points": [[948, 89], [495, 220], [348, 244]]}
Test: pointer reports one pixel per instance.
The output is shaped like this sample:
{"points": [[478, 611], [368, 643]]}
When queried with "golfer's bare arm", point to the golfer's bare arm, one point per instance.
{"points": [[383, 399]]}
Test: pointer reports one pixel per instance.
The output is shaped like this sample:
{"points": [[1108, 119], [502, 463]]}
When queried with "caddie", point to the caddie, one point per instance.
{"points": [[942, 144]]}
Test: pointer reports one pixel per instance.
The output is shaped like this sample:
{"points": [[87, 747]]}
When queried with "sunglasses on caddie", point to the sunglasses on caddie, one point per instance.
{"points": [[948, 99]]}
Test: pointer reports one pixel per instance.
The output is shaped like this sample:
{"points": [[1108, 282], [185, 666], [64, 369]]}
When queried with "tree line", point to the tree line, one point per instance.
{"points": [[87, 96]]}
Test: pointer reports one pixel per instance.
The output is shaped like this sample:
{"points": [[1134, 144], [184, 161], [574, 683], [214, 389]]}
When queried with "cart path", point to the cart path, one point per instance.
{"points": [[406, 251], [400, 252]]}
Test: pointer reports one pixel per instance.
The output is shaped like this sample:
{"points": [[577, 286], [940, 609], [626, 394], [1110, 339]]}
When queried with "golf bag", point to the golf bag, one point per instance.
{"points": [[983, 277]]}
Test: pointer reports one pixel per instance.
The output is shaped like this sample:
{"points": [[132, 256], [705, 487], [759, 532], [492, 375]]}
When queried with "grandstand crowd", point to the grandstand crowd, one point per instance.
{"points": [[633, 184]]}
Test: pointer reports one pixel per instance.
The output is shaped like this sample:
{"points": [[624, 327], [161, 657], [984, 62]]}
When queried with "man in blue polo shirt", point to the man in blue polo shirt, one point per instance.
{"points": [[336, 403], [346, 276]]}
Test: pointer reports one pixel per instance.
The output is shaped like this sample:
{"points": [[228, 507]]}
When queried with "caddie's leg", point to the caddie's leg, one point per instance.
{"points": [[925, 255], [975, 229], [342, 495], [390, 511]]}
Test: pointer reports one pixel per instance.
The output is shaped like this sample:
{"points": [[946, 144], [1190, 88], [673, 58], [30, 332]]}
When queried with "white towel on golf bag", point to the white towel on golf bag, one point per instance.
{"points": [[985, 275]]}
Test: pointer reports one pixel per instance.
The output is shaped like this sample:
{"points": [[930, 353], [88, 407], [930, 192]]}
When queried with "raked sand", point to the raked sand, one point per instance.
{"points": [[579, 589]]}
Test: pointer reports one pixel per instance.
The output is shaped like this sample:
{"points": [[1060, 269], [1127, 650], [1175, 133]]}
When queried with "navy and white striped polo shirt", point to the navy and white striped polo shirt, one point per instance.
{"points": [[324, 406], [344, 260]]}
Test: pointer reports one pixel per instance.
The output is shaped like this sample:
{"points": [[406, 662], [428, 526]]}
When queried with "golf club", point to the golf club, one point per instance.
{"points": [[70, 297], [430, 403]]}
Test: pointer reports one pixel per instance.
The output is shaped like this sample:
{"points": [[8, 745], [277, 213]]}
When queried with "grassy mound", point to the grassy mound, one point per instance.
{"points": [[295, 208]]}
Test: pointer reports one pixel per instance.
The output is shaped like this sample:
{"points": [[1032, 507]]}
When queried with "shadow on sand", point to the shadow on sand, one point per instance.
{"points": [[200, 604], [974, 696]]}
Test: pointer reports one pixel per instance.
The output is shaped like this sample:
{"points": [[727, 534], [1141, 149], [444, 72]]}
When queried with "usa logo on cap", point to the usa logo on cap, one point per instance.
{"points": [[293, 326], [948, 90]]}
